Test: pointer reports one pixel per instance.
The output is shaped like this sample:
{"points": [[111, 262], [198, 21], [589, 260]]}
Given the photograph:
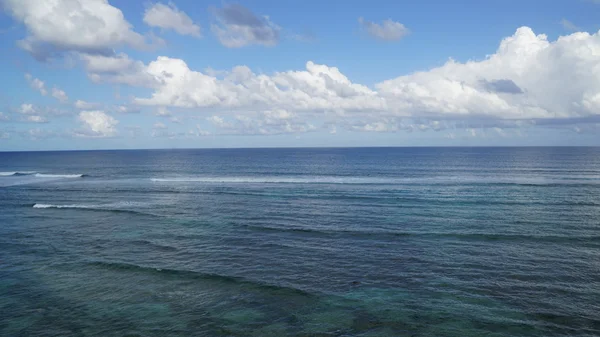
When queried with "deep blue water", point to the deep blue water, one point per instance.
{"points": [[301, 242]]}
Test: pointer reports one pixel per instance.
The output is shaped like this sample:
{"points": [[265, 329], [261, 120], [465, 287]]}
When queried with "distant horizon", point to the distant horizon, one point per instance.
{"points": [[312, 147]]}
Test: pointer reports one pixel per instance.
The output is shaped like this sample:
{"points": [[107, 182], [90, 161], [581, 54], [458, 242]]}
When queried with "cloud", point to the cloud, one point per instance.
{"points": [[27, 108], [86, 26], [36, 84], [388, 30], [83, 105], [568, 25], [3, 117], [97, 124], [317, 88], [36, 119], [169, 17], [557, 79], [60, 95], [237, 27], [502, 86], [528, 78], [266, 123], [4, 135], [118, 69]]}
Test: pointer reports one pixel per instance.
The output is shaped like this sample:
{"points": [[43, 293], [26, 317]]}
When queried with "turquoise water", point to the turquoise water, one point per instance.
{"points": [[301, 242]]}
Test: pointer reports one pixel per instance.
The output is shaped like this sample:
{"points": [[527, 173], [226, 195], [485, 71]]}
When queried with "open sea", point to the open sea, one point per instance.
{"points": [[301, 242]]}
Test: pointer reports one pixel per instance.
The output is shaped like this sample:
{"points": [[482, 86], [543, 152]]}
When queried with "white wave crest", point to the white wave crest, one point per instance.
{"points": [[41, 175], [16, 173], [60, 206]]}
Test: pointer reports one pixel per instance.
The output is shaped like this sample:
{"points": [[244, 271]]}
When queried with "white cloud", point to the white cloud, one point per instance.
{"points": [[87, 26], [555, 80], [36, 119], [60, 95], [317, 88], [170, 17], [528, 78], [36, 84], [83, 105], [97, 124], [27, 108], [237, 27], [4, 135], [388, 30], [3, 117]]}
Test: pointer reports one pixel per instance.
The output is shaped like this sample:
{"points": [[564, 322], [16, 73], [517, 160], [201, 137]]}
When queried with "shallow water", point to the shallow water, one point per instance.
{"points": [[301, 242]]}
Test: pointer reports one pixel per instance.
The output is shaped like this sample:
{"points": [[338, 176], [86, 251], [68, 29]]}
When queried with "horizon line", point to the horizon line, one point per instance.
{"points": [[305, 147]]}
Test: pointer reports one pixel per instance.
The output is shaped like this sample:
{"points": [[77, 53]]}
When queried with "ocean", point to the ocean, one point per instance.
{"points": [[301, 242]]}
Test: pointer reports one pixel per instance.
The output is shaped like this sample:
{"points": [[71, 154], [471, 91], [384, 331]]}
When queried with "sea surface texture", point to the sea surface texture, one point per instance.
{"points": [[301, 242]]}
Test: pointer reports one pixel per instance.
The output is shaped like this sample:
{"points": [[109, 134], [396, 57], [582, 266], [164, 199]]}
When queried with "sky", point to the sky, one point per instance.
{"points": [[122, 74]]}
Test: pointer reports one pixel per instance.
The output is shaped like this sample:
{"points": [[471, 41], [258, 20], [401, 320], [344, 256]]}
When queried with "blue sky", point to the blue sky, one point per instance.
{"points": [[94, 74]]}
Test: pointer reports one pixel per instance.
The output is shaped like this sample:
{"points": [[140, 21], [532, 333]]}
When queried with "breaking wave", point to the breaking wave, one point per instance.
{"points": [[124, 207], [16, 173], [42, 175]]}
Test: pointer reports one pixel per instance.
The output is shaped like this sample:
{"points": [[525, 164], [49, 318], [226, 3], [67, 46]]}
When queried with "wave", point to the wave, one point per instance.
{"points": [[555, 238], [43, 175], [113, 208], [17, 173], [121, 266]]}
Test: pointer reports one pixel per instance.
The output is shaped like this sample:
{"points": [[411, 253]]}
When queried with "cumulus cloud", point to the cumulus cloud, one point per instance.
{"points": [[502, 86], [87, 26], [317, 88], [97, 124], [388, 30], [170, 17], [529, 78], [60, 95], [36, 84], [237, 27]]}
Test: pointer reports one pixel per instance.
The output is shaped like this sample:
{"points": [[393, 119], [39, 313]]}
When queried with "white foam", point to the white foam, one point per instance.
{"points": [[41, 175], [15, 173], [59, 206]]}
